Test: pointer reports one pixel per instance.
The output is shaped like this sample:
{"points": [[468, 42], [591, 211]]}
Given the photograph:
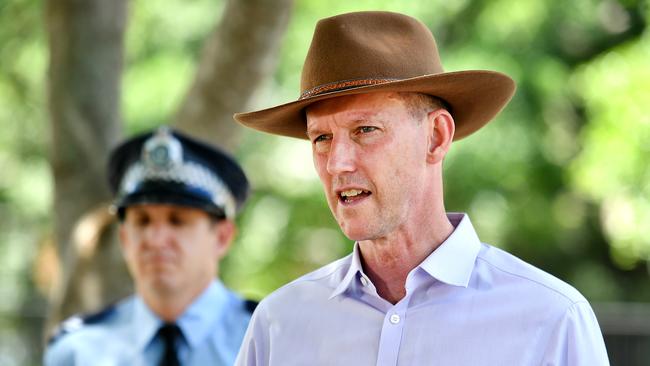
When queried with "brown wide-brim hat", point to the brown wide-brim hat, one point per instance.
{"points": [[372, 51]]}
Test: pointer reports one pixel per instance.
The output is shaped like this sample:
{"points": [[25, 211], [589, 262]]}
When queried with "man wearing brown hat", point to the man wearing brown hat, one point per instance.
{"points": [[419, 287]]}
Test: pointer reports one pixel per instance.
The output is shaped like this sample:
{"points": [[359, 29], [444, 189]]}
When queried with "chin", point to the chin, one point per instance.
{"points": [[359, 222], [356, 232], [163, 282], [364, 230]]}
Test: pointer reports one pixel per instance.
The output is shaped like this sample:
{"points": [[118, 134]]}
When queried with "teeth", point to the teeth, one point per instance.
{"points": [[351, 192]]}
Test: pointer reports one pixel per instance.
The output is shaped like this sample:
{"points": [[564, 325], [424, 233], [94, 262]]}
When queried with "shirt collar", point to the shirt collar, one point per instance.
{"points": [[195, 322], [452, 262], [145, 323], [199, 318], [354, 270]]}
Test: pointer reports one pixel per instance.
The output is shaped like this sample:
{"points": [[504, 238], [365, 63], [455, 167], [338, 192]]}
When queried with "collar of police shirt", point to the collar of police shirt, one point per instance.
{"points": [[196, 323]]}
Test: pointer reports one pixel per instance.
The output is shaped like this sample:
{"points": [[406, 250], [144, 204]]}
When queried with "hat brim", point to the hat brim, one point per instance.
{"points": [[475, 97], [169, 193]]}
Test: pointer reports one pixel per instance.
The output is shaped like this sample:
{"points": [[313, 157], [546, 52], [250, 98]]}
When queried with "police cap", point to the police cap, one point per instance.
{"points": [[166, 166]]}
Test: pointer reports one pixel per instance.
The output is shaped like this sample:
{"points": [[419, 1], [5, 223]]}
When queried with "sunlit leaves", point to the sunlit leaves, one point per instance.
{"points": [[614, 165]]}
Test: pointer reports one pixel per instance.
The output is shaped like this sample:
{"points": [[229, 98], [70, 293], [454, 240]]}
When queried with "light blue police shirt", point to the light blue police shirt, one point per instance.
{"points": [[466, 304], [213, 327]]}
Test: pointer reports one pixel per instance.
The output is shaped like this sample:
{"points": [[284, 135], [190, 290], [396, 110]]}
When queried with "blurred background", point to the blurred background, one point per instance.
{"points": [[561, 178]]}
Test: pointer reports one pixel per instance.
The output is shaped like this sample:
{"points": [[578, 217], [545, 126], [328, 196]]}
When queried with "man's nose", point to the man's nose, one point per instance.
{"points": [[156, 234], [342, 156]]}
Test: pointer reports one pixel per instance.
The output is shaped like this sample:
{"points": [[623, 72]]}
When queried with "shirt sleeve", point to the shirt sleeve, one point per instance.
{"points": [[254, 349], [576, 340]]}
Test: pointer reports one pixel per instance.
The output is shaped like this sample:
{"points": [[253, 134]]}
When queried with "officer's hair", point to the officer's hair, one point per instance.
{"points": [[214, 218]]}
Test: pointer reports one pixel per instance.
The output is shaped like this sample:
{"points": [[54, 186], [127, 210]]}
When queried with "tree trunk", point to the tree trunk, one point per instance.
{"points": [[86, 40], [237, 57]]}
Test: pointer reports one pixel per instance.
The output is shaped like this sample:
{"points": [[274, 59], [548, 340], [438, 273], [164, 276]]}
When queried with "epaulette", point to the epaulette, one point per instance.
{"points": [[250, 305], [77, 322]]}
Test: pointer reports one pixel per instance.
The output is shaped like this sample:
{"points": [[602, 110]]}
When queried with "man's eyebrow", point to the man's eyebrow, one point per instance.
{"points": [[354, 122], [313, 132], [366, 120]]}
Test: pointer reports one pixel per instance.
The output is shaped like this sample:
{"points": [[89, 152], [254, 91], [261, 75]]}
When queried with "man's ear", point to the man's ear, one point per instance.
{"points": [[225, 231], [440, 130], [121, 230]]}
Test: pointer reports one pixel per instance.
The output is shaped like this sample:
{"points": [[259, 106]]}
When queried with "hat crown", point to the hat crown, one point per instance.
{"points": [[365, 48], [168, 167]]}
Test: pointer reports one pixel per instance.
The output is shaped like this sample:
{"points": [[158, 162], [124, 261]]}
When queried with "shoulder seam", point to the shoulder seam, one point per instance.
{"points": [[572, 301], [304, 279], [77, 322], [323, 276]]}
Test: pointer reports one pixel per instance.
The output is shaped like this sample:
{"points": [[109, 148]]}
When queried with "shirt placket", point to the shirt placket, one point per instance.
{"points": [[393, 323], [391, 333]]}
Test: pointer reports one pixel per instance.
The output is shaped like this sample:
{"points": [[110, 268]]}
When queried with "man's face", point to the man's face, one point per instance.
{"points": [[371, 156], [172, 249]]}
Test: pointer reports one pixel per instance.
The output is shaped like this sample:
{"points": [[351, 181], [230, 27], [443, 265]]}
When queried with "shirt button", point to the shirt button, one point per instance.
{"points": [[364, 281], [394, 318]]}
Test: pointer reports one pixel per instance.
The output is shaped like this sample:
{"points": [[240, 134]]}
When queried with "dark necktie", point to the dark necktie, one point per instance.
{"points": [[169, 333]]}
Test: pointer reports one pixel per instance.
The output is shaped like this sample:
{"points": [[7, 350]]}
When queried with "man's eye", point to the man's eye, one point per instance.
{"points": [[321, 138], [142, 221], [176, 220], [367, 129]]}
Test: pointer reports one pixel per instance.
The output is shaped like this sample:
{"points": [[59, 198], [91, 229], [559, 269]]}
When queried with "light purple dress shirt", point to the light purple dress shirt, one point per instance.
{"points": [[467, 303]]}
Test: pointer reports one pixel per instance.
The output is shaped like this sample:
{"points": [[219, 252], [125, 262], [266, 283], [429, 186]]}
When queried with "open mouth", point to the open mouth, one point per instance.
{"points": [[353, 195]]}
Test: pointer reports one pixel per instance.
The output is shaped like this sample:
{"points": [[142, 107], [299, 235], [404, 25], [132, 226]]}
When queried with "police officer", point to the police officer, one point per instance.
{"points": [[176, 199]]}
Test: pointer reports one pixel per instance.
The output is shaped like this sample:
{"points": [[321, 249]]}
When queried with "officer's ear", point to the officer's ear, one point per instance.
{"points": [[225, 231], [121, 233], [121, 230]]}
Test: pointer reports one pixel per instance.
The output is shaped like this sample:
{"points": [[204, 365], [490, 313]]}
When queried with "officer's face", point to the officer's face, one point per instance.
{"points": [[172, 250]]}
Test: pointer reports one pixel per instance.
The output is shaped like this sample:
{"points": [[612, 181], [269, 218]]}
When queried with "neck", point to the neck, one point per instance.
{"points": [[170, 306], [388, 260]]}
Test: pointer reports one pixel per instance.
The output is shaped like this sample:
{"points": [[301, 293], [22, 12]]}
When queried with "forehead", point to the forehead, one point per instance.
{"points": [[364, 105], [162, 209]]}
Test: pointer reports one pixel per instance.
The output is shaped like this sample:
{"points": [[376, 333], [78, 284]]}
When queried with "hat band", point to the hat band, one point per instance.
{"points": [[189, 173], [342, 85]]}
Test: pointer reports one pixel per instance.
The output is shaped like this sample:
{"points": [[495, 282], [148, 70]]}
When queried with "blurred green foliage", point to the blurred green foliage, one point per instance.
{"points": [[560, 178], [163, 43]]}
